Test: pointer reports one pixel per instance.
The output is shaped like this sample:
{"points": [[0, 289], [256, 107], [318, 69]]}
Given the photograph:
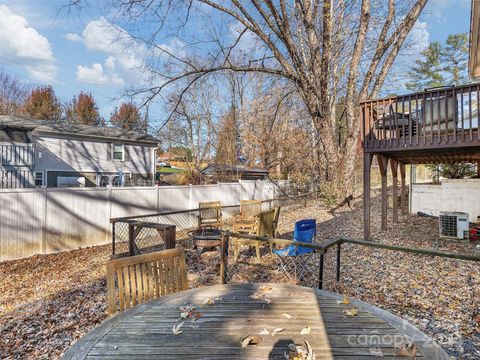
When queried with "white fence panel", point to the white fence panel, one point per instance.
{"points": [[173, 198], [34, 221], [21, 216], [75, 218]]}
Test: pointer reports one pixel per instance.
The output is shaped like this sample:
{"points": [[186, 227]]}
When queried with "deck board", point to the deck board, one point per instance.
{"points": [[145, 332]]}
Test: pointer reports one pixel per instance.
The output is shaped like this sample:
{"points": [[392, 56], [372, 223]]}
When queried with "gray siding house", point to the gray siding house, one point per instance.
{"points": [[36, 153]]}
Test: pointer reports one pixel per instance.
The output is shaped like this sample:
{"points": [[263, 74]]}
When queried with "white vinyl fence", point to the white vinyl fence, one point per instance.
{"points": [[41, 221]]}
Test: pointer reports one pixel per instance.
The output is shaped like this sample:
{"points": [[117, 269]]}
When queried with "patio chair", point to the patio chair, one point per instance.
{"points": [[245, 220], [137, 279], [210, 213], [264, 225], [295, 259]]}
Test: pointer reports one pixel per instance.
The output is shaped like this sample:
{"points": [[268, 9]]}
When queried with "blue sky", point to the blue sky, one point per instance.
{"points": [[72, 53]]}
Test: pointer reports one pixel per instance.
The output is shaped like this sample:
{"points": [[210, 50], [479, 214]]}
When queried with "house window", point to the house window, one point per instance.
{"points": [[39, 179], [118, 152]]}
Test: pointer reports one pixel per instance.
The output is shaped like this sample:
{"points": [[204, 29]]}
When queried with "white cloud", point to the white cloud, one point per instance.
{"points": [[100, 35], [21, 43], [126, 56], [97, 76], [73, 37]]}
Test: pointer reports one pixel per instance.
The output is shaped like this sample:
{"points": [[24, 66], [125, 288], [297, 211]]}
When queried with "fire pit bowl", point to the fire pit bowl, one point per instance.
{"points": [[206, 237]]}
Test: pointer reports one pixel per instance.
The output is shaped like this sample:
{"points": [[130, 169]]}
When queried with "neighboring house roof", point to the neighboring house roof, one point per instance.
{"points": [[216, 168], [38, 127]]}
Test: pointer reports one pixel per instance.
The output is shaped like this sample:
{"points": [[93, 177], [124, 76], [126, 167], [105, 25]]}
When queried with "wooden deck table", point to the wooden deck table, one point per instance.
{"points": [[145, 331]]}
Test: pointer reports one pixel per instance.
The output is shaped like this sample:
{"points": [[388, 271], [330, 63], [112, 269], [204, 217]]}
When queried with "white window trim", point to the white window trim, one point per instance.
{"points": [[35, 178], [123, 152]]}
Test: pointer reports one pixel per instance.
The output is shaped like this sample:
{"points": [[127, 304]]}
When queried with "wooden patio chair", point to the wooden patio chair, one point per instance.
{"points": [[265, 225], [137, 279], [245, 220], [210, 213]]}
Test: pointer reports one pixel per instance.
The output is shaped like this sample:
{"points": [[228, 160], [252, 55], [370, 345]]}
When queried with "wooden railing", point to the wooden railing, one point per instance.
{"points": [[17, 155], [435, 118]]}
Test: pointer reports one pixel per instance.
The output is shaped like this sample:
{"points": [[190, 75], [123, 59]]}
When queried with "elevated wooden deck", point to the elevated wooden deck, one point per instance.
{"points": [[435, 126]]}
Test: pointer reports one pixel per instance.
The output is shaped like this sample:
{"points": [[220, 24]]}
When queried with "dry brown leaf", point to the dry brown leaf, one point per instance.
{"points": [[265, 288], [345, 300], [276, 331], [251, 340], [350, 312], [208, 301], [196, 315], [263, 297], [176, 329], [306, 330], [407, 351]]}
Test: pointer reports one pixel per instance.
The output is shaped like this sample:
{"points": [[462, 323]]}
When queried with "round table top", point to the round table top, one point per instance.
{"points": [[277, 315]]}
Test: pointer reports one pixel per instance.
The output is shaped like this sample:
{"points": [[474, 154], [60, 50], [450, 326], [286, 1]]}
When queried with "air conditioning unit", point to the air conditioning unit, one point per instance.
{"points": [[453, 225]]}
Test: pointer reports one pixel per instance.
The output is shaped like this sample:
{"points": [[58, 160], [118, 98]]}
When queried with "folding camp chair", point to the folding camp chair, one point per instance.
{"points": [[295, 259]]}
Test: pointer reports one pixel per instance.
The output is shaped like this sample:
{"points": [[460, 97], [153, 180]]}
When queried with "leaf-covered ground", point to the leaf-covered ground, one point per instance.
{"points": [[49, 301]]}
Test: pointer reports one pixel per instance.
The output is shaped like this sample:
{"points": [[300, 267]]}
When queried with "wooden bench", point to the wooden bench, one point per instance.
{"points": [[137, 279]]}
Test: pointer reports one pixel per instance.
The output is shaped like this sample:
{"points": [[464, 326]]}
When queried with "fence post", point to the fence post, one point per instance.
{"points": [[113, 237], [338, 260], [109, 209], [131, 238], [44, 220], [320, 272], [224, 257]]}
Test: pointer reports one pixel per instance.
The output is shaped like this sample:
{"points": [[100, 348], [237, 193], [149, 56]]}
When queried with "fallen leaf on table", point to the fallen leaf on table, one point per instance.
{"points": [[376, 352], [263, 332], [288, 316], [251, 340], [310, 352], [276, 331], [407, 351], [196, 315], [184, 315], [305, 331], [345, 300], [176, 329], [208, 301], [350, 312], [265, 288], [263, 297]]}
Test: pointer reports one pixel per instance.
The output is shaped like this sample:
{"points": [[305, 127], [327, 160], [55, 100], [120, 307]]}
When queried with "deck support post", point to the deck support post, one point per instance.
{"points": [[403, 187], [394, 167], [383, 165], [367, 165]]}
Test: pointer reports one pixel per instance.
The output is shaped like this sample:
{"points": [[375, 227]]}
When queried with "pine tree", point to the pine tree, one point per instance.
{"points": [[455, 58], [84, 110], [427, 71], [127, 117], [43, 104]]}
